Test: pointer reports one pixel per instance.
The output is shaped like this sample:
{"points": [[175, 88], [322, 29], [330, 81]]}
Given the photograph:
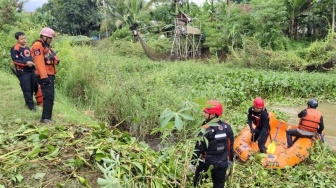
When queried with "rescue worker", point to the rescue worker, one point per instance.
{"points": [[311, 123], [24, 69], [45, 59], [217, 151], [257, 115]]}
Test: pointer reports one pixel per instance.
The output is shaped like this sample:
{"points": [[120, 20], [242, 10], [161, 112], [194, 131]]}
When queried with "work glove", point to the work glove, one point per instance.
{"points": [[192, 168], [45, 81]]}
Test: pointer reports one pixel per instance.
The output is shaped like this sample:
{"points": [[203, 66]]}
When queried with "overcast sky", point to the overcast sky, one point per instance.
{"points": [[32, 5], [199, 2]]}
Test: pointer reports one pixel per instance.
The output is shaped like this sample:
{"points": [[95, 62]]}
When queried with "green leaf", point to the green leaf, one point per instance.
{"points": [[38, 176], [155, 130], [178, 122], [138, 165], [59, 185], [50, 148], [34, 138], [167, 119], [213, 124], [43, 136], [166, 113], [319, 167], [2, 186], [53, 154], [187, 117], [36, 150], [101, 181], [83, 181], [59, 128], [183, 109], [102, 126], [44, 131], [99, 156], [19, 177]]}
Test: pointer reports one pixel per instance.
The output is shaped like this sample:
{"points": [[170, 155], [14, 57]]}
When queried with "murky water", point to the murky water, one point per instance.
{"points": [[329, 117]]}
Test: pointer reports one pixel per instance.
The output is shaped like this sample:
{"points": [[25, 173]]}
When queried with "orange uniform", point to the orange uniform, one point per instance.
{"points": [[44, 64]]}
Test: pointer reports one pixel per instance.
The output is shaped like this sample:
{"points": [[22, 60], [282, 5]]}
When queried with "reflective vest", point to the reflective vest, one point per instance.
{"points": [[218, 139], [311, 121]]}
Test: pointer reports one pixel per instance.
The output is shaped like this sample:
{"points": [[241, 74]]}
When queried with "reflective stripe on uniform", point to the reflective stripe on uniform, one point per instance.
{"points": [[220, 148], [220, 135]]}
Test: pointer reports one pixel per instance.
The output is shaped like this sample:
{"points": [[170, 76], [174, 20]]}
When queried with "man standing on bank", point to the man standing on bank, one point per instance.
{"points": [[216, 150], [24, 69], [45, 60]]}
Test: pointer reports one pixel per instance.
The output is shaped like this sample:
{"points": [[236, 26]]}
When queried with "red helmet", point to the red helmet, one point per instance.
{"points": [[48, 32], [214, 107], [258, 103]]}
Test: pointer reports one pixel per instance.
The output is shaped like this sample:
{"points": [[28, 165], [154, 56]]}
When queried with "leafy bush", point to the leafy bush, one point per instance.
{"points": [[252, 55], [321, 55], [162, 45], [127, 48], [123, 33], [82, 40]]}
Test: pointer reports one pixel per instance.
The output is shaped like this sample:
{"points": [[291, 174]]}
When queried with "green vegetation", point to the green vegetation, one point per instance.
{"points": [[121, 120], [77, 149]]}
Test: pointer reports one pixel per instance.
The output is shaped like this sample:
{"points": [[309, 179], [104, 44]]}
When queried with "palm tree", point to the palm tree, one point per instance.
{"points": [[117, 13]]}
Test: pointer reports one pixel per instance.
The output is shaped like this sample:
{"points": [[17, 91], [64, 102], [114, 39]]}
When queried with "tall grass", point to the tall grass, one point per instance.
{"points": [[135, 91], [130, 93]]}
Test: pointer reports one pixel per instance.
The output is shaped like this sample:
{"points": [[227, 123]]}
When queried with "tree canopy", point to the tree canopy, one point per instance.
{"points": [[75, 17]]}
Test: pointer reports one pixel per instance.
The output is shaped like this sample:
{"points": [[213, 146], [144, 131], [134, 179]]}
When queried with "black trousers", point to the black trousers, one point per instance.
{"points": [[260, 135], [218, 174], [28, 86], [294, 132], [48, 92]]}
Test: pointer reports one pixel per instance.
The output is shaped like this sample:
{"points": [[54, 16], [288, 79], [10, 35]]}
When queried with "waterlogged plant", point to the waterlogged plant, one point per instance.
{"points": [[111, 171], [168, 116], [170, 120]]}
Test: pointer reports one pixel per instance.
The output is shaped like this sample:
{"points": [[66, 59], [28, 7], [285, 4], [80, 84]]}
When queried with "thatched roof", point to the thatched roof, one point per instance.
{"points": [[183, 17]]}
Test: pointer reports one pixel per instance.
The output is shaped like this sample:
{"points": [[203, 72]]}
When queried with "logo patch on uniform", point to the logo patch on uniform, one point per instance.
{"points": [[37, 52], [220, 127], [26, 53]]}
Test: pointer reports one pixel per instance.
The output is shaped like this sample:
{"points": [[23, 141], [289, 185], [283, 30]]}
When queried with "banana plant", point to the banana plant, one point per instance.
{"points": [[296, 8]]}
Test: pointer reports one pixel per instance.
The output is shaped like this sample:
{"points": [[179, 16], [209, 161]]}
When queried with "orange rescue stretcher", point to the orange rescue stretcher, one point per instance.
{"points": [[282, 157]]}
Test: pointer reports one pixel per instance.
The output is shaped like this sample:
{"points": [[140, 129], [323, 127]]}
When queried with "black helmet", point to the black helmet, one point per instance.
{"points": [[312, 103]]}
